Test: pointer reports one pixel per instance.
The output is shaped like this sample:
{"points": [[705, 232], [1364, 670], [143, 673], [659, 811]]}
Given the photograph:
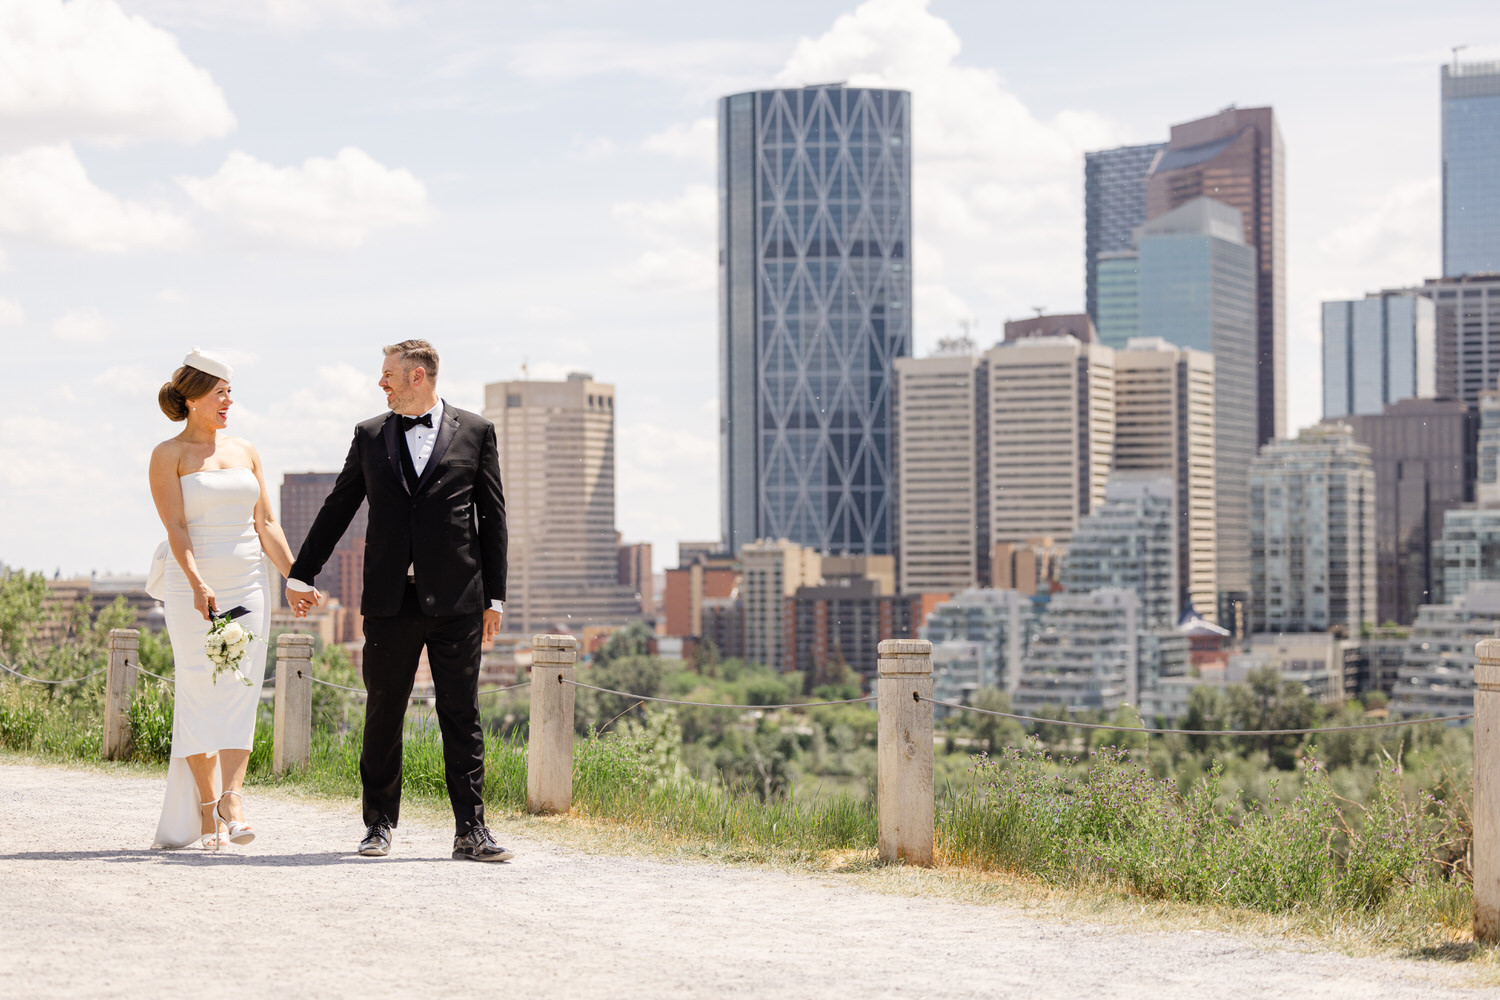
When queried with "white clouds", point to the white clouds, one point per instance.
{"points": [[693, 141], [702, 67], [87, 70], [1390, 241], [335, 202], [681, 237], [279, 15], [46, 195], [11, 313], [82, 326]]}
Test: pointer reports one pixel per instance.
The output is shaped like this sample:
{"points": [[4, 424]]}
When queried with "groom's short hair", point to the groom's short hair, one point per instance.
{"points": [[414, 353]]}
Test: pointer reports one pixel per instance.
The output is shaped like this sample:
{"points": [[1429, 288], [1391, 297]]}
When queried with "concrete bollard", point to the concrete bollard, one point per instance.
{"points": [[549, 748], [904, 799], [291, 738], [1486, 803], [124, 656]]}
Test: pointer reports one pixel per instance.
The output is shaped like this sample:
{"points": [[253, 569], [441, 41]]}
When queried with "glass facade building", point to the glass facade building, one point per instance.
{"points": [[1197, 290], [1237, 157], [1119, 297], [1377, 350], [814, 308], [1471, 180], [1114, 203]]}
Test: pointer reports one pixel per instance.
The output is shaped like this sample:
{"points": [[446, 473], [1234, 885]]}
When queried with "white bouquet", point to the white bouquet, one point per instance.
{"points": [[226, 644]]}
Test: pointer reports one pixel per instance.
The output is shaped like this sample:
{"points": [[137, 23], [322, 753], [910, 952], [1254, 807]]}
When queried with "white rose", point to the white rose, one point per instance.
{"points": [[233, 633]]}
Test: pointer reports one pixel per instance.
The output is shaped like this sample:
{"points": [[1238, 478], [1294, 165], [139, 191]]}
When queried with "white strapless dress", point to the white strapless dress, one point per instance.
{"points": [[208, 717]]}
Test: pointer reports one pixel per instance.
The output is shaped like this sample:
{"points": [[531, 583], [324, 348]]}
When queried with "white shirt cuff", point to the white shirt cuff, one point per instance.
{"points": [[498, 607], [298, 586]]}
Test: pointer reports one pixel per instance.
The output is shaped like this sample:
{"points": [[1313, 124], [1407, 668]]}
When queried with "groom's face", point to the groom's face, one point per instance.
{"points": [[396, 381]]}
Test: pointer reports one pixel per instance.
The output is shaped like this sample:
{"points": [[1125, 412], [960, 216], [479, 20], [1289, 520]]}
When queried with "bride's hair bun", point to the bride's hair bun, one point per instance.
{"points": [[187, 383]]}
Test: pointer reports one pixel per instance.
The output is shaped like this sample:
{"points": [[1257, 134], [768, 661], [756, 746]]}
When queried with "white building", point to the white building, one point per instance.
{"points": [[1084, 653], [999, 621], [1130, 541], [1437, 675]]}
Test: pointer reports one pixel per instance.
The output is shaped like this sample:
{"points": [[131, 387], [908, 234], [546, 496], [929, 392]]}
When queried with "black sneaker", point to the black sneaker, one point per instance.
{"points": [[479, 845], [377, 842]]}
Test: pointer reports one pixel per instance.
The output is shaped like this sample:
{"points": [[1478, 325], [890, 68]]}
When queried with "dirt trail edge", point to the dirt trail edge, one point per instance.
{"points": [[88, 911]]}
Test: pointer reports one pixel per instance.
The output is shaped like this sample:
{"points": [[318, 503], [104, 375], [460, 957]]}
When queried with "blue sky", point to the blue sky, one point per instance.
{"points": [[302, 181]]}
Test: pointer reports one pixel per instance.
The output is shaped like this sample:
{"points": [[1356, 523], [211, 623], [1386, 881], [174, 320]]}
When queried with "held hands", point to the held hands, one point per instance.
{"points": [[491, 626], [303, 601]]}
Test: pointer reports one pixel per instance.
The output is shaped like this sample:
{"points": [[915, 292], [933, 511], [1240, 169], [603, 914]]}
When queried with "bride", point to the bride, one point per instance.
{"points": [[212, 498]]}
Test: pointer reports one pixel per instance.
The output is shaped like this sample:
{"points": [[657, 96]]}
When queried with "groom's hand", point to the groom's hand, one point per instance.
{"points": [[302, 601], [491, 626]]}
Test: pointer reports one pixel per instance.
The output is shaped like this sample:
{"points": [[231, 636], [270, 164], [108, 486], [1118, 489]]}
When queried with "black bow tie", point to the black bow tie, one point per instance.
{"points": [[407, 423]]}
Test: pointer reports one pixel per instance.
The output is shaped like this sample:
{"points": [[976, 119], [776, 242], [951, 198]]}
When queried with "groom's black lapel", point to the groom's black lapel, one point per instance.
{"points": [[391, 431], [440, 446]]}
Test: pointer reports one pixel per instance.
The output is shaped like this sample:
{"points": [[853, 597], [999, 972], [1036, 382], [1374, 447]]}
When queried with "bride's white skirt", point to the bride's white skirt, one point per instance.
{"points": [[208, 717]]}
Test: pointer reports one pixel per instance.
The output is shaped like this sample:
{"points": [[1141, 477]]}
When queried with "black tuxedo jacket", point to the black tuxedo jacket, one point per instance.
{"points": [[451, 527]]}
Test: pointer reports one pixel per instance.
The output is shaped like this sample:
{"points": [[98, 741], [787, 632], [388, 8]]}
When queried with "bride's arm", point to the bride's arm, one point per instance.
{"points": [[166, 490], [272, 538]]}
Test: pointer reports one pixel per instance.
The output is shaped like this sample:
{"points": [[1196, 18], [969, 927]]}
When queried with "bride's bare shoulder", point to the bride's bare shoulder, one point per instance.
{"points": [[166, 453]]}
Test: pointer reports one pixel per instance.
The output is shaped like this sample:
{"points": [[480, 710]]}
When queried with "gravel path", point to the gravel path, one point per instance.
{"points": [[87, 911]]}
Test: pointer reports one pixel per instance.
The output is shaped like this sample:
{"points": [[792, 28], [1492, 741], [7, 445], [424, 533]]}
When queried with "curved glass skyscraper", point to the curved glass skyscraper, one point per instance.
{"points": [[814, 306]]}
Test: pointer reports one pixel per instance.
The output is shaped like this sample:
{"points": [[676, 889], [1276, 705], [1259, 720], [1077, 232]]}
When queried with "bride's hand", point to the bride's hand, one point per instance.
{"points": [[203, 601]]}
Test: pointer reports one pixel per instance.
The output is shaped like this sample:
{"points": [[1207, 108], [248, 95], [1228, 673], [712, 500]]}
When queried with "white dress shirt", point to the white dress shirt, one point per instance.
{"points": [[419, 441]]}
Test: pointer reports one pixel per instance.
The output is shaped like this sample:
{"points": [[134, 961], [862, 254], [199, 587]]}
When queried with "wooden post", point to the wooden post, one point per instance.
{"points": [[903, 798], [291, 738], [1486, 804], [549, 749], [124, 655]]}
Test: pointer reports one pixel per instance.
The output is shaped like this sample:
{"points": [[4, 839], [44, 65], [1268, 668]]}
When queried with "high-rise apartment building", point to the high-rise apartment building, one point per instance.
{"points": [[1424, 456], [1084, 655], [1237, 157], [1130, 541], [1377, 350], [815, 305], [1468, 552], [633, 570], [302, 496], [1471, 184], [1114, 203], [998, 621], [1164, 425], [940, 531], [770, 574], [557, 462], [1050, 429], [1436, 676], [1197, 291], [1312, 533], [1487, 470]]}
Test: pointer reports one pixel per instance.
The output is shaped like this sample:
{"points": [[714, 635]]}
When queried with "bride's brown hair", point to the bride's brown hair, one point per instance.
{"points": [[187, 383]]}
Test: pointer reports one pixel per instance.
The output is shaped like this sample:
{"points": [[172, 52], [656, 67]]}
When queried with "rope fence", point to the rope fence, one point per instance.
{"points": [[43, 680], [714, 704]]}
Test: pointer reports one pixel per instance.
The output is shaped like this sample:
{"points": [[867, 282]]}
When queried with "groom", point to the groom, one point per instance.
{"points": [[434, 577]]}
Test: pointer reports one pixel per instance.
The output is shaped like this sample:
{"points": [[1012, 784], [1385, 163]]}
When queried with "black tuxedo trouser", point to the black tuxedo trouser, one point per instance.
{"points": [[392, 647]]}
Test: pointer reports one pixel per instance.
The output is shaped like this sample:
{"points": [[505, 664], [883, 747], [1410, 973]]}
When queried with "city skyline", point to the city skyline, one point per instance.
{"points": [[224, 209]]}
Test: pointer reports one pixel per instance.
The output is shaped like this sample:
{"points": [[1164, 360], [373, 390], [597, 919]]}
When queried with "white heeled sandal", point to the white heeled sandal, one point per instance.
{"points": [[239, 832], [212, 841]]}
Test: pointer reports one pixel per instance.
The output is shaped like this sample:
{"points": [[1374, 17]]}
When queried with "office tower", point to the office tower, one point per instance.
{"points": [[770, 574], [1118, 298], [1436, 676], [343, 578], [1487, 470], [1312, 533], [1377, 350], [557, 462], [1164, 425], [702, 575], [1468, 552], [1471, 184], [1468, 334], [1197, 291], [1236, 157], [940, 537], [998, 621], [633, 570], [1050, 425], [1114, 203], [814, 306], [1130, 541], [1077, 325], [1424, 456], [1084, 655], [1032, 567]]}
